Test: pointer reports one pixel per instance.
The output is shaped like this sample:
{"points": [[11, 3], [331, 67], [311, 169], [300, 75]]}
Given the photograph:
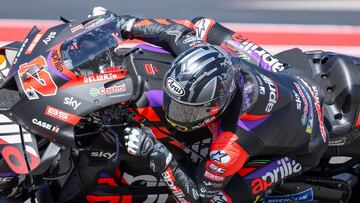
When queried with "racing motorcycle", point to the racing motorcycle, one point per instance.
{"points": [[72, 89]]}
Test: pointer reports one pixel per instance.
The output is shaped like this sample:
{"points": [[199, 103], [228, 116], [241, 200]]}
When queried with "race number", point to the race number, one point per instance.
{"points": [[36, 80], [12, 150]]}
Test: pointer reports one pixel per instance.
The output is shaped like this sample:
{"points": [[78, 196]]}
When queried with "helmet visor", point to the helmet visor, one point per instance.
{"points": [[183, 113]]}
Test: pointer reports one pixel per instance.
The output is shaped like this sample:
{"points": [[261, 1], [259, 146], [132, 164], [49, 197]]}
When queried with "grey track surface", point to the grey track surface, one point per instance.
{"points": [[242, 11]]}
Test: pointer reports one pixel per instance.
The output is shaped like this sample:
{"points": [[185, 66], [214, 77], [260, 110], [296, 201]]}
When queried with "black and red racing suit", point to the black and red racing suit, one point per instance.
{"points": [[273, 115]]}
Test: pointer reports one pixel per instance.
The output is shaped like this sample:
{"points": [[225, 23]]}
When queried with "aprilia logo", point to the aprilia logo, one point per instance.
{"points": [[178, 193], [272, 95], [285, 167], [175, 87], [272, 63]]}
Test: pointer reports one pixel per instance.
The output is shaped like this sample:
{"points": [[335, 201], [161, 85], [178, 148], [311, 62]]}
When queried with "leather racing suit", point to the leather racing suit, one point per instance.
{"points": [[273, 115]]}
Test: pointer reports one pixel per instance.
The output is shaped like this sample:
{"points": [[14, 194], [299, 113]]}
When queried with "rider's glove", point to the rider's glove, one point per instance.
{"points": [[97, 11], [125, 25], [141, 142]]}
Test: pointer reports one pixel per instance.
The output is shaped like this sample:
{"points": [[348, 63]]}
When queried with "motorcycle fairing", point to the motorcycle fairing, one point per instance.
{"points": [[18, 147], [37, 79]]}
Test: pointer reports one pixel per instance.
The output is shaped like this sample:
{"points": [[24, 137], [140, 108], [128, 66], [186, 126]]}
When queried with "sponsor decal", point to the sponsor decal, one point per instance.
{"points": [[175, 87], [338, 142], [272, 173], [4, 180], [21, 49], [175, 33], [307, 118], [77, 28], [303, 196], [319, 112], [113, 69], [202, 27], [99, 77], [204, 123], [151, 69], [62, 115], [220, 197], [45, 125], [38, 80], [248, 88], [216, 169], [262, 90], [34, 42], [297, 101], [95, 24], [213, 177], [273, 95], [169, 180], [70, 101], [190, 39], [106, 155], [219, 156], [56, 60], [49, 38], [266, 60], [212, 184], [94, 92], [315, 94]]}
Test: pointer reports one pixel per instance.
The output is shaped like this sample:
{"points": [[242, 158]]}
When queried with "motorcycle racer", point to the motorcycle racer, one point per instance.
{"points": [[241, 103]]}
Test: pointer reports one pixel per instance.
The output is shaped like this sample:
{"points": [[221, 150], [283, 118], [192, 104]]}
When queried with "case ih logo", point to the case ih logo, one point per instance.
{"points": [[62, 115]]}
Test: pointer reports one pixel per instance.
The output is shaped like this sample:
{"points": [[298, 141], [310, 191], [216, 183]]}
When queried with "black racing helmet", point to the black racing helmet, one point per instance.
{"points": [[198, 87]]}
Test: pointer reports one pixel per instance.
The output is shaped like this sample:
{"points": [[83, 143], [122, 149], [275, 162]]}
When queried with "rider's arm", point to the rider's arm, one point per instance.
{"points": [[226, 158], [214, 33], [169, 34]]}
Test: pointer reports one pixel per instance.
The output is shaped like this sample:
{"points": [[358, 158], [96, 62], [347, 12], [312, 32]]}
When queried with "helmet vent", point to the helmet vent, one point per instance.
{"points": [[324, 60], [316, 61], [347, 105], [338, 116], [329, 89]]}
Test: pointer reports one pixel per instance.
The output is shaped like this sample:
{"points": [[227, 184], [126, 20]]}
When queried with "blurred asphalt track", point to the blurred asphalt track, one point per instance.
{"points": [[339, 12], [304, 19]]}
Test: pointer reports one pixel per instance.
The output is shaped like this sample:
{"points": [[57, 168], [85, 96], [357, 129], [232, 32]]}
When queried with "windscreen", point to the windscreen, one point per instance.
{"points": [[87, 52]]}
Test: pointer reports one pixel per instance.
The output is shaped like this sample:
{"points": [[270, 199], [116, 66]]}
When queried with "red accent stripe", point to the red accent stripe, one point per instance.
{"points": [[158, 134], [177, 144], [280, 38], [357, 124], [250, 117], [16, 30], [3, 142], [109, 199], [244, 171], [108, 181], [80, 79], [149, 113]]}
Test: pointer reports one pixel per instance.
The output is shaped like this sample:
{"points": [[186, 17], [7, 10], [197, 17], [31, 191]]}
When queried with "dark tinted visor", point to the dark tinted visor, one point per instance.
{"points": [[183, 113]]}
